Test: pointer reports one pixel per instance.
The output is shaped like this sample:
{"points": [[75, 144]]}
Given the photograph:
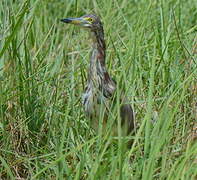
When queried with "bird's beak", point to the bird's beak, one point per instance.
{"points": [[77, 21]]}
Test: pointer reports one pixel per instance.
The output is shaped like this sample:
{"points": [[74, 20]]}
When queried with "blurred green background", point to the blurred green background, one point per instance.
{"points": [[151, 52]]}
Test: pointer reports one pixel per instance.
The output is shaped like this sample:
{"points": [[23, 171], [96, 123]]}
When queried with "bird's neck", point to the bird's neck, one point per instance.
{"points": [[99, 45], [97, 59], [98, 77]]}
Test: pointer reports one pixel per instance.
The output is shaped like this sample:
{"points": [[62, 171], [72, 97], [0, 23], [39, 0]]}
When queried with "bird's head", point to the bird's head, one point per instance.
{"points": [[89, 21]]}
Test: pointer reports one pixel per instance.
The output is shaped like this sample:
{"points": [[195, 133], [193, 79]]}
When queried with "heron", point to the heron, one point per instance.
{"points": [[101, 88]]}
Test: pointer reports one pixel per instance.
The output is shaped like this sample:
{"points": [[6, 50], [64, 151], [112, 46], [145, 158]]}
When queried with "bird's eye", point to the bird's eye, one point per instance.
{"points": [[90, 19]]}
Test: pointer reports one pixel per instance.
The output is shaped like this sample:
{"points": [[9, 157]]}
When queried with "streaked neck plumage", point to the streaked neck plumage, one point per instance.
{"points": [[97, 59], [98, 76]]}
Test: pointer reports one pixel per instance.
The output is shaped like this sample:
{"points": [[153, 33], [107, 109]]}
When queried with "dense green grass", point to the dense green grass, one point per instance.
{"points": [[151, 52]]}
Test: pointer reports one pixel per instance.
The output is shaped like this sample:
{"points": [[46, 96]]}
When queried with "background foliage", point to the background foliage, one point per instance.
{"points": [[151, 52]]}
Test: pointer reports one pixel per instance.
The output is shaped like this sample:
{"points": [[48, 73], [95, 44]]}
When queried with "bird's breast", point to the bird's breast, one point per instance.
{"points": [[94, 102]]}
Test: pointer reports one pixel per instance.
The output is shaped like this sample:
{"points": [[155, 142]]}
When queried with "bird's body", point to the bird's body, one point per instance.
{"points": [[100, 89]]}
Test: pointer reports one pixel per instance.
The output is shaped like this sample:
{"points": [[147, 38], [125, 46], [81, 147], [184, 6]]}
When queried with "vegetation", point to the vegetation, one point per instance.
{"points": [[151, 52]]}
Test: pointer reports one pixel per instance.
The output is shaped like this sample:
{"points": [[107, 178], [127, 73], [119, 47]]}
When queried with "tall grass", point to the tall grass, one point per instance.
{"points": [[151, 52]]}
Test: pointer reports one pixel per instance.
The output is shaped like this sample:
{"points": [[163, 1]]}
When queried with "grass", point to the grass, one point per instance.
{"points": [[151, 52]]}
